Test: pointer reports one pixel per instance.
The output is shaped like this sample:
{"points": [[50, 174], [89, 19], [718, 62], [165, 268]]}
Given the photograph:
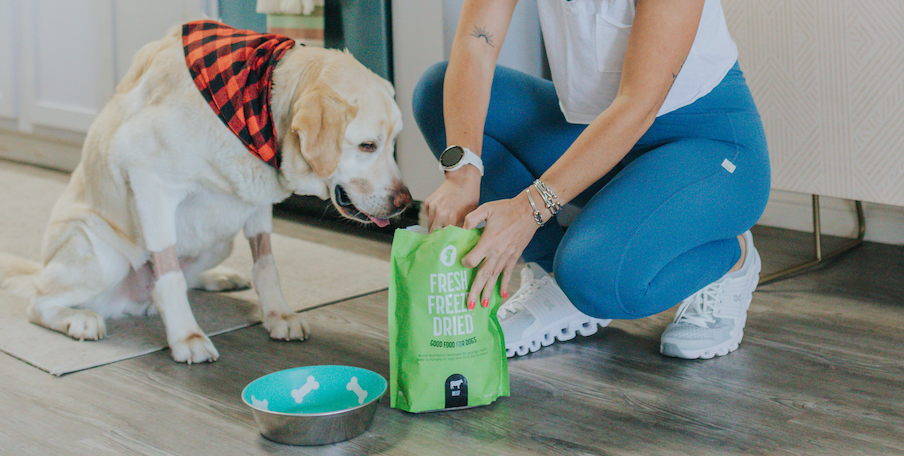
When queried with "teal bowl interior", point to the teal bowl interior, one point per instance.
{"points": [[314, 390]]}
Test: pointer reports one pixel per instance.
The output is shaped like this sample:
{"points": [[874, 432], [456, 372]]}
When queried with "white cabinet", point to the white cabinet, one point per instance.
{"points": [[62, 59], [8, 31], [66, 71], [826, 77]]}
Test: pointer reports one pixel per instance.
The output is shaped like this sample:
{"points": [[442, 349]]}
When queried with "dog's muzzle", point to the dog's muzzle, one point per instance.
{"points": [[342, 198], [347, 208]]}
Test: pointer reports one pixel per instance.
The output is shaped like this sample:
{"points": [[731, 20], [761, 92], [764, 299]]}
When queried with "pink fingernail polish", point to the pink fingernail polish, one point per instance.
{"points": [[485, 303], [504, 294], [471, 305]]}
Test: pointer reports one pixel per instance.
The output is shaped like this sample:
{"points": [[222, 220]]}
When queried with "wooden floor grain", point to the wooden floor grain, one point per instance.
{"points": [[819, 373]]}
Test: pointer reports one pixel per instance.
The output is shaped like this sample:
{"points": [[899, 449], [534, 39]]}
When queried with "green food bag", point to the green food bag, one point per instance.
{"points": [[442, 356]]}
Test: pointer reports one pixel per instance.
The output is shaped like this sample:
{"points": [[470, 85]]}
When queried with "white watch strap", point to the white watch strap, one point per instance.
{"points": [[473, 159], [469, 157]]}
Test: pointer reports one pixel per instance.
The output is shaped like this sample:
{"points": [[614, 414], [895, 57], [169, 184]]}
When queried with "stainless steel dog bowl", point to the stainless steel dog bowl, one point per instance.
{"points": [[315, 405]]}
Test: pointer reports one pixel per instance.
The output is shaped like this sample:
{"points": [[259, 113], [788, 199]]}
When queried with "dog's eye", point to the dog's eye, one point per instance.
{"points": [[368, 146]]}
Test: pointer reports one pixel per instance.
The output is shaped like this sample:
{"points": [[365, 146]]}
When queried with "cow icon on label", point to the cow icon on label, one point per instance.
{"points": [[456, 391]]}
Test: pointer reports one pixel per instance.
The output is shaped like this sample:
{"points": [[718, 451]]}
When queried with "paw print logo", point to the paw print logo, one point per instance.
{"points": [[448, 255]]}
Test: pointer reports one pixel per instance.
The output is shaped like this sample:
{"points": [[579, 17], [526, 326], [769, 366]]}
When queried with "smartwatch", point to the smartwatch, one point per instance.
{"points": [[454, 157]]}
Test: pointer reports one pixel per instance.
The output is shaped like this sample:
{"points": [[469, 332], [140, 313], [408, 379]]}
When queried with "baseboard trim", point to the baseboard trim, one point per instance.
{"points": [[61, 153]]}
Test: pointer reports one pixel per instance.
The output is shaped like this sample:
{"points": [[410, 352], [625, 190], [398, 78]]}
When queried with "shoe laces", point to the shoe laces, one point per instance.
{"points": [[699, 308], [515, 304]]}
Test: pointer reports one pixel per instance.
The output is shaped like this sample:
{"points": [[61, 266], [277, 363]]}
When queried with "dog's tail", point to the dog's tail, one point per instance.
{"points": [[18, 275]]}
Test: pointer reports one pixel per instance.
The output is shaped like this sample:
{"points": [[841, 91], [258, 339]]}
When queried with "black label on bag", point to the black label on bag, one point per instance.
{"points": [[456, 391]]}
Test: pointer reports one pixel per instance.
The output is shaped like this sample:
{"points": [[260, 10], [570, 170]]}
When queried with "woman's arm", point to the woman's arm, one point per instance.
{"points": [[660, 40], [466, 97]]}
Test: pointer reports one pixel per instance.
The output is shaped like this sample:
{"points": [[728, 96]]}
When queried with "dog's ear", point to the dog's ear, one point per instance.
{"points": [[320, 118]]}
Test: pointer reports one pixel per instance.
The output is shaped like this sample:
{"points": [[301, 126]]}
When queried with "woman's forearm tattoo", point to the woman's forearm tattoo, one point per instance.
{"points": [[481, 32]]}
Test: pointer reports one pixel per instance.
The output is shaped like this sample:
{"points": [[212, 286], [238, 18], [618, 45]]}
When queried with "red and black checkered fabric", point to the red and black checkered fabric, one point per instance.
{"points": [[233, 69]]}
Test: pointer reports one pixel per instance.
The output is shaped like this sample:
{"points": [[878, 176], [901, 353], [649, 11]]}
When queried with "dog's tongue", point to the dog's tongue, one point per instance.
{"points": [[380, 222]]}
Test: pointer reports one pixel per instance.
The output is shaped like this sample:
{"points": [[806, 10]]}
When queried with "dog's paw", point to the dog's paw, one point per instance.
{"points": [[196, 348], [84, 324], [222, 279], [287, 327]]}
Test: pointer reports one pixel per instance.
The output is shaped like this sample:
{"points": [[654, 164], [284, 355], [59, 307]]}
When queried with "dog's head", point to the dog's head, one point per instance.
{"points": [[346, 122]]}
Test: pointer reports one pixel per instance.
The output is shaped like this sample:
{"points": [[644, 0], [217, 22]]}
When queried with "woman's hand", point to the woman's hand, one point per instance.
{"points": [[510, 226], [457, 196]]}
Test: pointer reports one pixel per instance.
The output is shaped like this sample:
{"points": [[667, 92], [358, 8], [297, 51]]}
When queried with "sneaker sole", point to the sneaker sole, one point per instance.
{"points": [[561, 331], [726, 347], [707, 353]]}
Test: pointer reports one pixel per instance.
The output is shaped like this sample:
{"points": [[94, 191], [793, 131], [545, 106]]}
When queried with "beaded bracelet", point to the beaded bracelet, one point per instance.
{"points": [[537, 217], [549, 198]]}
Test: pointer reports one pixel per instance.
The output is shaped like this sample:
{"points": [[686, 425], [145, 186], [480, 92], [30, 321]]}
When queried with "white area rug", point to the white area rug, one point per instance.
{"points": [[311, 275]]}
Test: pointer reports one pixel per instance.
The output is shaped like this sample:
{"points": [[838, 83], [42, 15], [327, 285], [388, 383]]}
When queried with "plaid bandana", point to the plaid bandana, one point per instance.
{"points": [[233, 70]]}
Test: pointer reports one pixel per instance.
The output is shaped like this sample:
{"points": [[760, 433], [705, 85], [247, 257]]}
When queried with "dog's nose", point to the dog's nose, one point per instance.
{"points": [[402, 197]]}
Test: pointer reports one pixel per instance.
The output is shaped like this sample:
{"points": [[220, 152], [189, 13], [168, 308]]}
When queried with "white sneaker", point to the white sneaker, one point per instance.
{"points": [[539, 313], [711, 321]]}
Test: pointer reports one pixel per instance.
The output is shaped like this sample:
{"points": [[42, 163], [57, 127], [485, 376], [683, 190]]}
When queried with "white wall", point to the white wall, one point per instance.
{"points": [[523, 43], [166, 13], [416, 44]]}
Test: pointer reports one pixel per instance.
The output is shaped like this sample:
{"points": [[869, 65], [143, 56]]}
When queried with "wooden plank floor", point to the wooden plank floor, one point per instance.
{"points": [[819, 372]]}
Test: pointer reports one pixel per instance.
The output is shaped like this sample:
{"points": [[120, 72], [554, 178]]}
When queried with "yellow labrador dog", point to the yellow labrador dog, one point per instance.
{"points": [[164, 187]]}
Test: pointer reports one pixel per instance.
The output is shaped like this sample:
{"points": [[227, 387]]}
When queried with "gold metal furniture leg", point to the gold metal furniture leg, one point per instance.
{"points": [[820, 259]]}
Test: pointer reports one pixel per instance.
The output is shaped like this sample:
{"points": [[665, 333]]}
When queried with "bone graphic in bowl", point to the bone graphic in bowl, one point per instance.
{"points": [[259, 403], [354, 386], [300, 393]]}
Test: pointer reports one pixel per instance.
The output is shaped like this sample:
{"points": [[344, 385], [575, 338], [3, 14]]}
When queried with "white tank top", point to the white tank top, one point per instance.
{"points": [[586, 42]]}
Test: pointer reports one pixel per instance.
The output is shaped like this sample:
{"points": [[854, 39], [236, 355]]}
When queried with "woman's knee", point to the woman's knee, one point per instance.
{"points": [[593, 282], [586, 282]]}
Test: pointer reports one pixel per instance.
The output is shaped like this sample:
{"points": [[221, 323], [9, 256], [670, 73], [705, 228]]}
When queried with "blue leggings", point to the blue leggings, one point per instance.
{"points": [[657, 228]]}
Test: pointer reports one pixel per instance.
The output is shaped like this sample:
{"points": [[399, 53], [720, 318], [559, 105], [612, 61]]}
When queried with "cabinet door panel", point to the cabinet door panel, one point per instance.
{"points": [[826, 77], [68, 68], [8, 47]]}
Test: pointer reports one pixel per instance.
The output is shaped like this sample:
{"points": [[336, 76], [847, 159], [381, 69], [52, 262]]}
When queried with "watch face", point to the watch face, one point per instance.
{"points": [[451, 156]]}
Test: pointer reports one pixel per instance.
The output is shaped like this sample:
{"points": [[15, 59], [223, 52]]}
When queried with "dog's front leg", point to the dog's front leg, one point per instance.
{"points": [[157, 202], [188, 344], [278, 318]]}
